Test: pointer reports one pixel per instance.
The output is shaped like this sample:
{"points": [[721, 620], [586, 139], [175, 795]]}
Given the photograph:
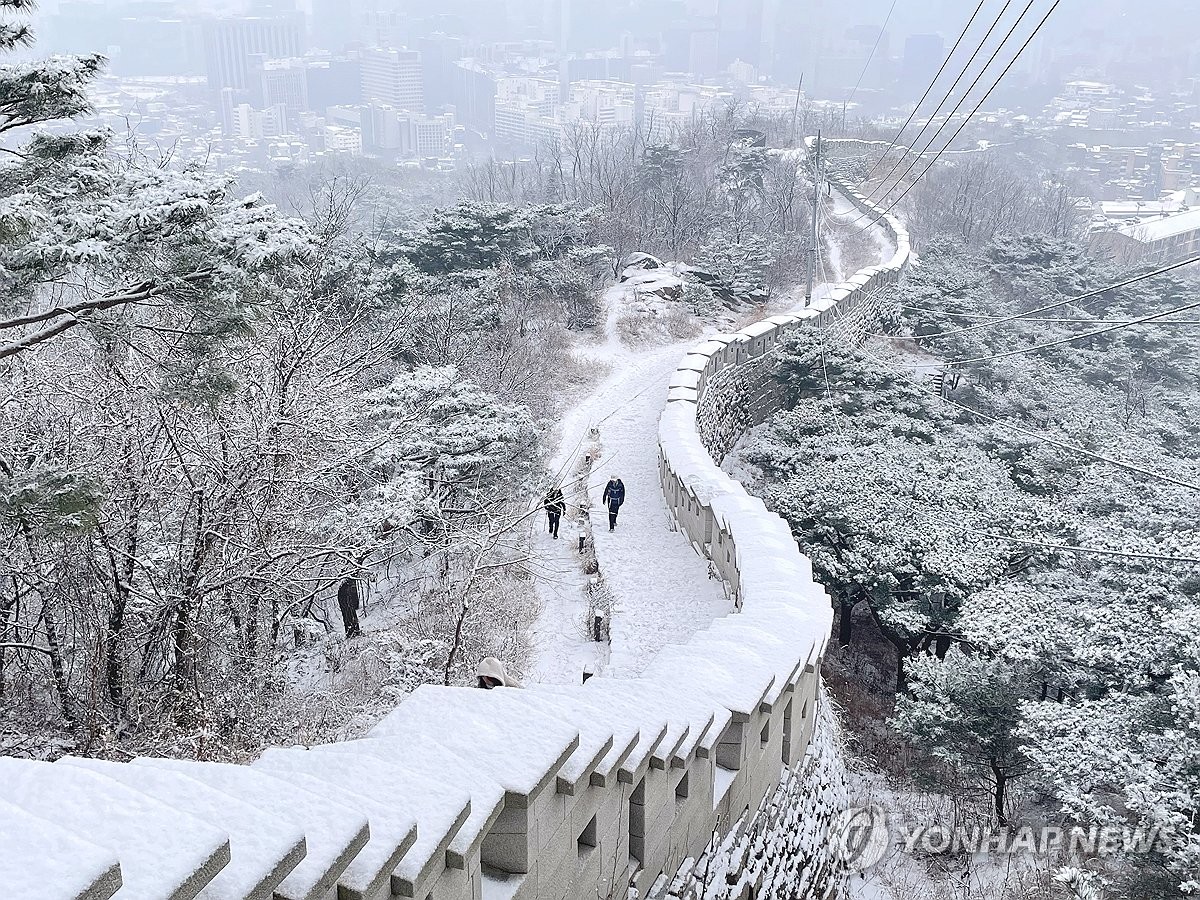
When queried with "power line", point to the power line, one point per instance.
{"points": [[970, 115], [961, 100], [1074, 337], [1111, 287], [1057, 443], [949, 93], [925, 95], [871, 55], [1051, 321], [1078, 549]]}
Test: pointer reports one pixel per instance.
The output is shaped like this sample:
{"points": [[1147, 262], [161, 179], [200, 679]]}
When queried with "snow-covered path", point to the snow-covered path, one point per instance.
{"points": [[660, 585], [661, 589]]}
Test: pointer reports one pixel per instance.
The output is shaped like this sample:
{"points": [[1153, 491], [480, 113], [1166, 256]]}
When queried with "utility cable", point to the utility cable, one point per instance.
{"points": [[976, 317], [1074, 337], [950, 115], [928, 91], [949, 93], [1078, 549], [1065, 446], [1092, 293], [871, 55], [961, 100], [967, 120]]}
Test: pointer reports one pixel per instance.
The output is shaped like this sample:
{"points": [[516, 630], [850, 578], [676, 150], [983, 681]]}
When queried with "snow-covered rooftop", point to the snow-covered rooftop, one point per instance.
{"points": [[1162, 227]]}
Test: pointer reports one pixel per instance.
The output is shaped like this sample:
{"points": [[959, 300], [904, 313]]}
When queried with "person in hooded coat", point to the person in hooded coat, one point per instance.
{"points": [[555, 504], [614, 496], [492, 674]]}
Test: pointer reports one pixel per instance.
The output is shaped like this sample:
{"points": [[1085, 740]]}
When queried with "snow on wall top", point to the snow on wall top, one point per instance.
{"points": [[422, 754], [415, 788], [41, 858], [392, 830], [520, 750], [263, 849], [334, 833], [752, 547], [165, 852]]}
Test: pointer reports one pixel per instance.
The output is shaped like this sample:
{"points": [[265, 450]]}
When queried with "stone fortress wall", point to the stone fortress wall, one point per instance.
{"points": [[554, 791]]}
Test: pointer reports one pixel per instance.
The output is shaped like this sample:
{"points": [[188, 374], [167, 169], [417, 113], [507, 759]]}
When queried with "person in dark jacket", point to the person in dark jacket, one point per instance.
{"points": [[614, 496], [348, 604], [555, 504]]}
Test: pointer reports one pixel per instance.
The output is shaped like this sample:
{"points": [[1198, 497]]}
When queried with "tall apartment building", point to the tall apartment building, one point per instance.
{"points": [[254, 124], [333, 82], [474, 96], [740, 27], [283, 82], [393, 77], [230, 44], [336, 23]]}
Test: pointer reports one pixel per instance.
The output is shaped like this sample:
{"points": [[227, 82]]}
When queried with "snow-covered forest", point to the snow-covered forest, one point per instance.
{"points": [[217, 409], [1001, 509]]}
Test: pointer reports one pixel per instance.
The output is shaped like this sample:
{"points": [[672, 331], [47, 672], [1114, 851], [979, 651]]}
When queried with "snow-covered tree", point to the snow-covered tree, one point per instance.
{"points": [[964, 710]]}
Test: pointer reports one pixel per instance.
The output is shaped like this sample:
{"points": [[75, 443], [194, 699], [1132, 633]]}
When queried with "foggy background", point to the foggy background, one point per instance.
{"points": [[267, 83]]}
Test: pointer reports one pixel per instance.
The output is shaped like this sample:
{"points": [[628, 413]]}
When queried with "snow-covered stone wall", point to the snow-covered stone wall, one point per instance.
{"points": [[783, 851], [720, 389], [554, 791]]}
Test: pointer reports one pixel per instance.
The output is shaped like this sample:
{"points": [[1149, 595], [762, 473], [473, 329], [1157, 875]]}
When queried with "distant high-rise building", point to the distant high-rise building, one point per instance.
{"points": [[703, 52], [156, 46], [439, 52], [270, 7], [282, 82], [230, 43], [474, 97], [393, 77], [385, 28], [336, 23], [81, 27], [593, 25], [740, 27], [922, 56], [596, 67], [334, 82]]}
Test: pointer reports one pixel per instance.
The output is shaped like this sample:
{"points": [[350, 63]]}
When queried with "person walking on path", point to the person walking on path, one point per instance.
{"points": [[555, 504], [614, 496], [492, 674]]}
